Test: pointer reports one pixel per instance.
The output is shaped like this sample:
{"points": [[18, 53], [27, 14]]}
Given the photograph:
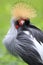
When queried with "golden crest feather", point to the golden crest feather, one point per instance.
{"points": [[22, 10]]}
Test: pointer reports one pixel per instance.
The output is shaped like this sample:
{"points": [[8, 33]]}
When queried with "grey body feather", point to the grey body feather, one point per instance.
{"points": [[19, 43]]}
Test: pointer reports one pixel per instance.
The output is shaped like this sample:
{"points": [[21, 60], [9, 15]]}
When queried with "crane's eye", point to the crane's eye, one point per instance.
{"points": [[27, 22], [16, 25]]}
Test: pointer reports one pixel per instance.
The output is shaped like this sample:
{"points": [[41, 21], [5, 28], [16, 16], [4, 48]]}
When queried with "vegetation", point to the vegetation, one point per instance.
{"points": [[5, 16]]}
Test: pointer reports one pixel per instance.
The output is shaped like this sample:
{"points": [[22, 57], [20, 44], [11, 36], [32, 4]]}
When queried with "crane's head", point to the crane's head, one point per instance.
{"points": [[22, 13], [22, 22]]}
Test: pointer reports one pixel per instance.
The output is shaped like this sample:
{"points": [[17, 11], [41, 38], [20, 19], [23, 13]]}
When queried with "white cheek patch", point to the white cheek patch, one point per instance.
{"points": [[22, 21], [38, 46]]}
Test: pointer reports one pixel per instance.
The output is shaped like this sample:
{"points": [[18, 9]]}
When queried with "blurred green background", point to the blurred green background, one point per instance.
{"points": [[5, 16]]}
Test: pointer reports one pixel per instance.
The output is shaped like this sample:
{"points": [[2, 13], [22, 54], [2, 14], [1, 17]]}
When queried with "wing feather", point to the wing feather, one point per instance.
{"points": [[36, 32]]}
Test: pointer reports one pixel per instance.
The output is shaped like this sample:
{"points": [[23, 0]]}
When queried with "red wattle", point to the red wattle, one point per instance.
{"points": [[17, 26]]}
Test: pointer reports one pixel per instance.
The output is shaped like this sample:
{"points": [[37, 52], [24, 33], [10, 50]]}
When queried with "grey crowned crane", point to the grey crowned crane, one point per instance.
{"points": [[25, 40]]}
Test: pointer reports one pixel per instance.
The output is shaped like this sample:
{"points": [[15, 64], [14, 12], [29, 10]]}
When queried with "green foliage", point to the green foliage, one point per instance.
{"points": [[5, 7]]}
